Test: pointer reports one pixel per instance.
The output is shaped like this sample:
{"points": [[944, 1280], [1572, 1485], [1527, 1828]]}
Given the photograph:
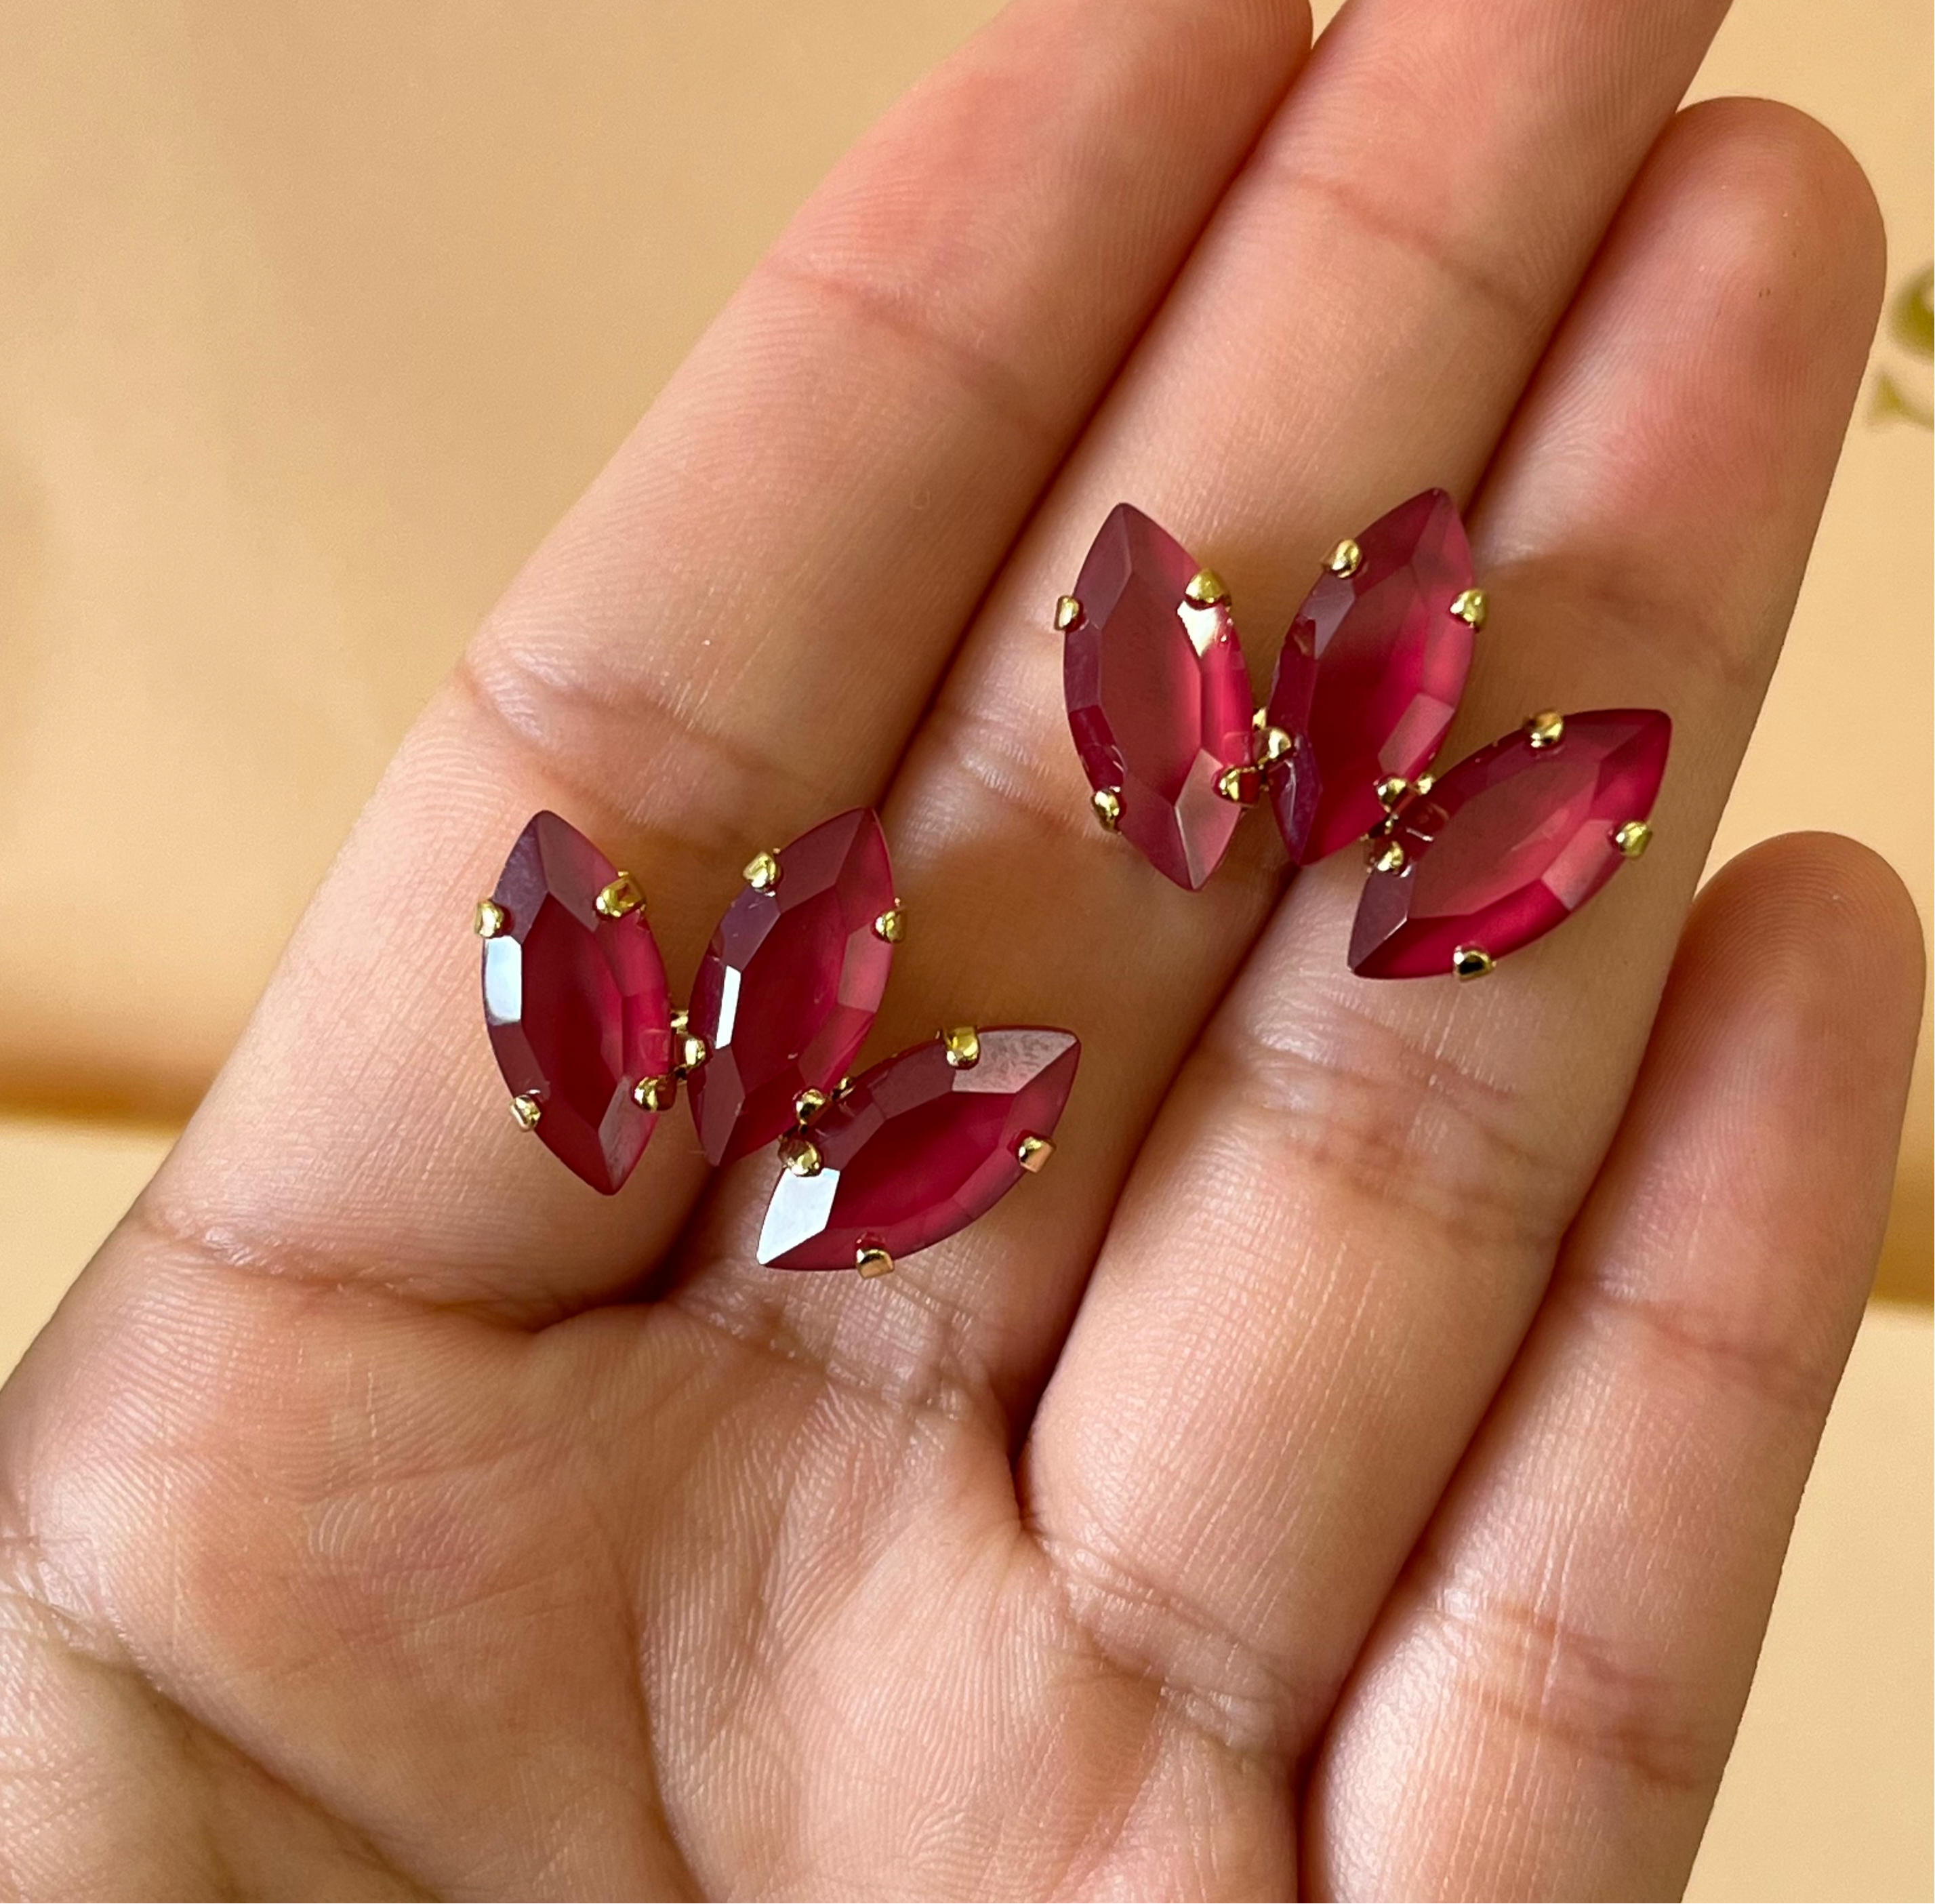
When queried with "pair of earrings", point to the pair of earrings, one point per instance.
{"points": [[1464, 866], [873, 1167]]}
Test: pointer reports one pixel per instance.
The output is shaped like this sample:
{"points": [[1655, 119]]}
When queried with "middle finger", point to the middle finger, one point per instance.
{"points": [[1357, 322]]}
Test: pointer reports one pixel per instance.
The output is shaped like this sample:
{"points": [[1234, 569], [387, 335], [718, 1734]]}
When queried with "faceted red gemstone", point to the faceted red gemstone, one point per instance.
{"points": [[790, 984], [1158, 697], [1509, 843], [1370, 674], [576, 1003], [919, 1149]]}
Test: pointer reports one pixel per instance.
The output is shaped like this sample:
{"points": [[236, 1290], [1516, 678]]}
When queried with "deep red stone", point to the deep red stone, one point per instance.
{"points": [[1510, 842], [576, 1003], [1158, 697], [917, 1150], [790, 985], [1370, 675]]}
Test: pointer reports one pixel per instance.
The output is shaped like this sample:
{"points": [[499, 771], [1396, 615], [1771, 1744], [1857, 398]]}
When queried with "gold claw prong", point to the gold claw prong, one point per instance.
{"points": [[681, 1018], [1275, 745], [1068, 613], [1206, 588], [1472, 962], [692, 1051], [842, 1089], [1546, 728], [621, 897], [1391, 793], [1388, 858], [527, 1111], [489, 920], [1107, 802], [800, 1155], [874, 1262], [1633, 838], [763, 871], [1470, 609], [891, 924], [1345, 560], [807, 1106], [1237, 785], [1032, 1153], [964, 1047], [655, 1093], [1423, 783]]}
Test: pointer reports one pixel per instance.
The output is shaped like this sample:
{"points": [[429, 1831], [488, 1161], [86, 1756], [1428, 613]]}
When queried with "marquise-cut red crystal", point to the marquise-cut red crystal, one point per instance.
{"points": [[1158, 697], [1370, 675], [575, 1002], [790, 984], [1509, 843], [919, 1149]]}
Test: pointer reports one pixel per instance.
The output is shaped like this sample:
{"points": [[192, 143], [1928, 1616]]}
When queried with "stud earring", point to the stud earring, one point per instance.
{"points": [[1365, 689], [874, 1168]]}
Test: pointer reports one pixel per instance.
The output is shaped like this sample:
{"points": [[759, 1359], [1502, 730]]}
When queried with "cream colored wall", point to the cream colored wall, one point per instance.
{"points": [[313, 316]]}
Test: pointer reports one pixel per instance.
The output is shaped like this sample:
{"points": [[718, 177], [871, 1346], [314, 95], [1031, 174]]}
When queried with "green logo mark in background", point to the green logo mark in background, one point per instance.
{"points": [[1911, 324]]}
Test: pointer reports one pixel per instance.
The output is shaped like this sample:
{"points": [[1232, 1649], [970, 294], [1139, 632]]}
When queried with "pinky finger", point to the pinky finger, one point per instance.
{"points": [[1548, 1701]]}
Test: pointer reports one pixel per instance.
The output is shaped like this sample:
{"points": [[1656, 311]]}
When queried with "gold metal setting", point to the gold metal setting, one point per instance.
{"points": [[874, 1262], [842, 1089], [489, 920], [1108, 804], [1472, 962], [807, 1106], [1346, 559], [655, 1093], [1546, 728], [763, 871], [1423, 783], [689, 1051], [964, 1047], [891, 924], [527, 1111], [621, 897], [1471, 607], [1390, 858], [1032, 1153], [1068, 613], [1239, 784], [1391, 792], [1274, 744], [1206, 588], [800, 1155], [1633, 838]]}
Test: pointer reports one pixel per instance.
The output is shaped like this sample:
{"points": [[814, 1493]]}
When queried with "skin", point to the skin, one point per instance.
{"points": [[1361, 1464]]}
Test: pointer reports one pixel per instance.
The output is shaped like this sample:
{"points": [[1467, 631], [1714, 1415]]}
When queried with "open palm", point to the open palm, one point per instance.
{"points": [[1362, 1462]]}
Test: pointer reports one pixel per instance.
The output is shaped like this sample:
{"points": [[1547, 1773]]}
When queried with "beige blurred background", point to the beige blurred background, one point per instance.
{"points": [[313, 315]]}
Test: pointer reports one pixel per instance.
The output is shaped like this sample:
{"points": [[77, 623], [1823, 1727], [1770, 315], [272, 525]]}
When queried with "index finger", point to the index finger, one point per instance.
{"points": [[730, 636]]}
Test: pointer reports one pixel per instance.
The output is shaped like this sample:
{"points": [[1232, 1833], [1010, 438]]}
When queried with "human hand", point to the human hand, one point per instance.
{"points": [[1362, 1463]]}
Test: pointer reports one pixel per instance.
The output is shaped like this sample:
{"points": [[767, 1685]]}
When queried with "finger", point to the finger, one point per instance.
{"points": [[729, 638], [1358, 321], [1567, 1657], [1345, 1219]]}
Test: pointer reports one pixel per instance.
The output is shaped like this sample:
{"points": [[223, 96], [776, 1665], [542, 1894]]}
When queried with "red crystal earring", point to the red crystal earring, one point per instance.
{"points": [[1489, 857], [581, 1019]]}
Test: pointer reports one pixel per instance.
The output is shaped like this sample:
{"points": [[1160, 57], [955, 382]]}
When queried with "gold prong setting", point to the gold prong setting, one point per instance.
{"points": [[1389, 857], [1107, 803], [1068, 613], [490, 919], [1470, 962], [891, 925], [872, 1262], [1206, 589], [808, 1105], [1274, 745], [963, 1044], [1633, 838], [1545, 729], [1239, 785], [1345, 560], [761, 871], [1472, 608], [1033, 1152], [526, 1110], [620, 898], [799, 1155], [655, 1094]]}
